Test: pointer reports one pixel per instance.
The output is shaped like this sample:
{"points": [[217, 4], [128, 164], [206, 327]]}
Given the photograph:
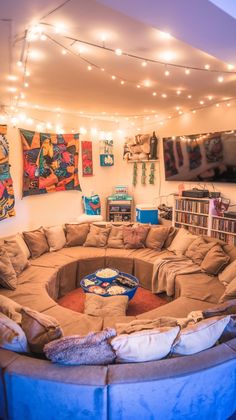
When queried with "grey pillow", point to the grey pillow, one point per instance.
{"points": [[36, 242], [16, 255], [10, 308], [8, 278]]}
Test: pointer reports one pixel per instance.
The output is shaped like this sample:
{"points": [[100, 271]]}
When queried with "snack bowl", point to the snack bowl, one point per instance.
{"points": [[107, 274]]}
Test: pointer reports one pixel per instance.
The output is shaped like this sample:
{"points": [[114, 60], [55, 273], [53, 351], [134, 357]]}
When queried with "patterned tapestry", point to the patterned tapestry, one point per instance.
{"points": [[87, 158], [7, 200], [50, 162]]}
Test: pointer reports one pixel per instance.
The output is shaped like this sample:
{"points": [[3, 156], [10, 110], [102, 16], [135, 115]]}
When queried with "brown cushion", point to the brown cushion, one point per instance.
{"points": [[198, 249], [76, 234], [230, 291], [39, 329], [105, 306], [115, 239], [134, 237], [8, 278], [55, 237], [16, 255], [228, 274], [36, 242], [156, 237], [12, 337], [97, 236], [215, 260], [10, 308], [172, 232], [227, 308], [181, 241], [93, 349]]}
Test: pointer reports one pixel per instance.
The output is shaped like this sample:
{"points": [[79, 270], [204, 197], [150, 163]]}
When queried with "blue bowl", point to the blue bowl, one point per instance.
{"points": [[106, 279]]}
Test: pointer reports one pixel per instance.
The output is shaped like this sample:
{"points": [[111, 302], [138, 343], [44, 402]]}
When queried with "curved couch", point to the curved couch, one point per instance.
{"points": [[198, 386]]}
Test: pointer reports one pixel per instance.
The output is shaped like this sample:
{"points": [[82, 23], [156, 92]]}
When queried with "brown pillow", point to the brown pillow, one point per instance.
{"points": [[97, 236], [39, 329], [198, 249], [36, 242], [172, 232], [115, 239], [10, 308], [16, 255], [230, 291], [134, 237], [8, 278], [156, 237], [227, 308], [76, 234], [215, 260], [105, 306]]}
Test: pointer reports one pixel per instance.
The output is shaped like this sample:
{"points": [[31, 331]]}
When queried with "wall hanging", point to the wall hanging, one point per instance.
{"points": [[135, 174], [106, 153], [87, 158], [7, 200], [92, 205], [50, 162], [143, 176], [152, 173]]}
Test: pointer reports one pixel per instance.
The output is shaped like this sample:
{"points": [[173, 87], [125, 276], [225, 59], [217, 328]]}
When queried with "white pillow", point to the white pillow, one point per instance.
{"points": [[12, 337], [144, 346], [88, 218], [200, 336], [228, 274], [56, 237], [181, 241]]}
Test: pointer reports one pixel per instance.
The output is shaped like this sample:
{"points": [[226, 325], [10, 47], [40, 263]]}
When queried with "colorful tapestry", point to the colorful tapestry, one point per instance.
{"points": [[194, 153], [50, 162], [7, 200], [179, 153], [169, 158], [106, 153], [214, 149], [92, 205], [87, 158]]}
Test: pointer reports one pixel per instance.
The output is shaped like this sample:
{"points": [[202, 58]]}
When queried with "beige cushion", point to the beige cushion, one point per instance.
{"points": [[215, 260], [228, 274], [12, 337], [10, 308], [97, 236], [230, 291], [39, 329], [105, 306], [55, 237], [135, 236], [198, 249], [156, 237], [181, 241], [115, 239], [8, 278], [172, 233], [76, 234], [16, 255], [200, 336], [226, 308], [144, 346], [20, 240], [36, 242]]}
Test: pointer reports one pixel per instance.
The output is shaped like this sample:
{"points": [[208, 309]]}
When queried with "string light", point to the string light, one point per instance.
{"points": [[167, 73], [220, 79], [187, 71], [118, 51]]}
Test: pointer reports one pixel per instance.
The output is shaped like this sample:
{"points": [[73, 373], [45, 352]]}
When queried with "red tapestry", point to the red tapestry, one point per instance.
{"points": [[87, 158]]}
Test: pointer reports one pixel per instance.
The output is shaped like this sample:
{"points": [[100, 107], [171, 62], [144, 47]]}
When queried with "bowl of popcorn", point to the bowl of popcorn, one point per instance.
{"points": [[107, 274]]}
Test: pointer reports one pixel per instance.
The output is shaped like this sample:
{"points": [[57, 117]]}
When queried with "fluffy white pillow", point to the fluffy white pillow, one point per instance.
{"points": [[56, 237], [144, 346], [12, 337], [181, 241]]}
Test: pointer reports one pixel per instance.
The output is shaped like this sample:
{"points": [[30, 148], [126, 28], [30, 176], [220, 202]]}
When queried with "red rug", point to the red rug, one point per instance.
{"points": [[143, 301]]}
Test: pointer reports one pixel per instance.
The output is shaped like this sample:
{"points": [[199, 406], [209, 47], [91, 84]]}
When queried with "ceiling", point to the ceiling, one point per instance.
{"points": [[117, 85]]}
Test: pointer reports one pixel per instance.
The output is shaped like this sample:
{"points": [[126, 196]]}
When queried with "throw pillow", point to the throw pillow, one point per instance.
{"points": [[200, 336], [228, 274], [16, 255], [76, 234], [55, 237], [198, 249], [12, 337], [230, 291], [19, 239], [105, 306], [172, 233], [135, 236], [226, 308], [181, 241], [149, 324], [156, 237], [215, 260], [97, 237], [39, 329], [93, 349], [8, 278], [115, 239], [36, 242], [10, 308], [144, 346]]}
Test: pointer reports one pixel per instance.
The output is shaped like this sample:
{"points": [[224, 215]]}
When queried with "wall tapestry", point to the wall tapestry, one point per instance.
{"points": [[106, 153], [50, 162], [92, 205], [87, 158], [7, 200]]}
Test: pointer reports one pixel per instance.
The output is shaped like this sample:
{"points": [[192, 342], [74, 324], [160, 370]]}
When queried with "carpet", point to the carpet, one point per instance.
{"points": [[143, 301]]}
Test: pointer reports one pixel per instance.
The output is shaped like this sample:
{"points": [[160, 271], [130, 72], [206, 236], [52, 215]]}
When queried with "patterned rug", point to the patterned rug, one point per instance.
{"points": [[142, 301]]}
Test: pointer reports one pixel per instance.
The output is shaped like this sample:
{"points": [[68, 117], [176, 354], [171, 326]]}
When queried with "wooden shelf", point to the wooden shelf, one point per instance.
{"points": [[192, 225], [143, 160], [191, 212], [120, 212], [223, 231], [214, 216]]}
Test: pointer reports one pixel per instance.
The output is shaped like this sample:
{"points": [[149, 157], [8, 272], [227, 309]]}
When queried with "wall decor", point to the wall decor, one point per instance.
{"points": [[138, 147], [106, 153], [7, 199], [87, 158], [50, 162], [92, 205], [143, 176], [152, 173], [135, 174]]}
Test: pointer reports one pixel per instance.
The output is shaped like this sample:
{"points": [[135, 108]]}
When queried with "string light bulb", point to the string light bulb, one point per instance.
{"points": [[113, 77], [220, 79], [89, 68], [144, 64], [118, 51], [178, 92], [207, 67], [167, 73], [19, 63], [187, 72]]}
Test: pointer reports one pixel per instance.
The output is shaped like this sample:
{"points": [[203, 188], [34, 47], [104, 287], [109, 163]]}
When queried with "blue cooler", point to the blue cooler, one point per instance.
{"points": [[146, 213]]}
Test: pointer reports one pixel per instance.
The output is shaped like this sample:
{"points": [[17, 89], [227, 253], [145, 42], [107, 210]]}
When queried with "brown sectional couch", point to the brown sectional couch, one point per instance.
{"points": [[120, 391]]}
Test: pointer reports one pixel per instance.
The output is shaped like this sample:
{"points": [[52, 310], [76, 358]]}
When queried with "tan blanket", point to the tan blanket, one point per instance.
{"points": [[165, 271]]}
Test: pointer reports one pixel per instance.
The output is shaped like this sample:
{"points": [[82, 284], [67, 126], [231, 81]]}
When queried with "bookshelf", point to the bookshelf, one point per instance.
{"points": [[119, 210], [224, 228]]}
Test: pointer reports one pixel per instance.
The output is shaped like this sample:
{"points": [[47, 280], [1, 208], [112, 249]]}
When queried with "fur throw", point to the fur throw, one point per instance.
{"points": [[93, 349]]}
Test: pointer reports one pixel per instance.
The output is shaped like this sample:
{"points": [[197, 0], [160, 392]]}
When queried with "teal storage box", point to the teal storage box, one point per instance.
{"points": [[146, 214]]}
